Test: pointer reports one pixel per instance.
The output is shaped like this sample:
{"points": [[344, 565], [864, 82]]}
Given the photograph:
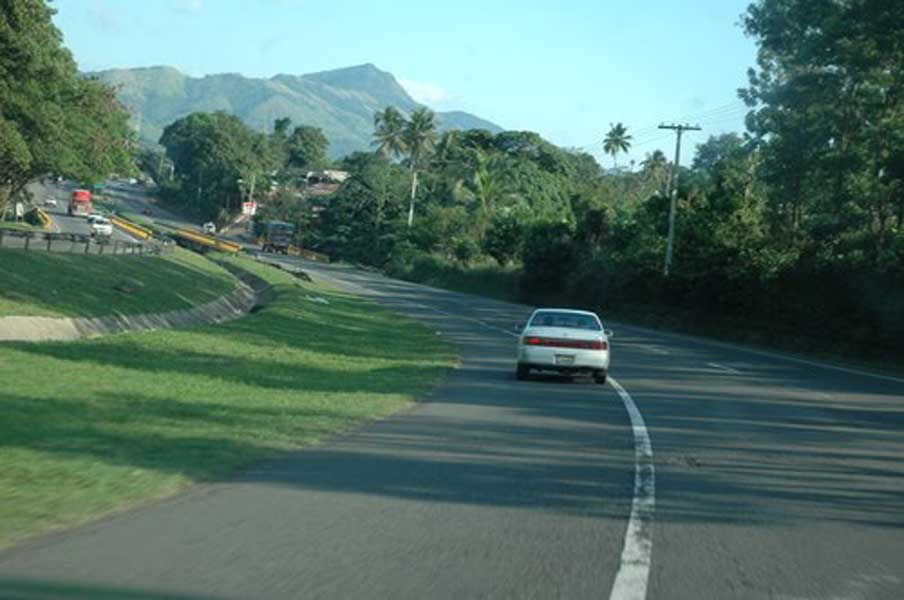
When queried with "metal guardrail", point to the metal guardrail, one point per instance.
{"points": [[131, 228], [202, 242], [76, 243]]}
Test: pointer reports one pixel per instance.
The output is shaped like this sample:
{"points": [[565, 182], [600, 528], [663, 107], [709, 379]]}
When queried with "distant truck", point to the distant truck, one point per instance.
{"points": [[80, 204], [276, 237]]}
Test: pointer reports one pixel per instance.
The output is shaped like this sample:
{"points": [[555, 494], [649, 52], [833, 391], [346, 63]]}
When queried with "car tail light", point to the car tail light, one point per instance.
{"points": [[561, 343]]}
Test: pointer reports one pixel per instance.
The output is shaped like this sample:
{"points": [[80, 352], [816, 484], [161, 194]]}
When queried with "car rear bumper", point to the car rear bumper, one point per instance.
{"points": [[564, 360]]}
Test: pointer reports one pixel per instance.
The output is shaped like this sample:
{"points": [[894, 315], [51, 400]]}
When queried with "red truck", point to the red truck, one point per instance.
{"points": [[80, 203]]}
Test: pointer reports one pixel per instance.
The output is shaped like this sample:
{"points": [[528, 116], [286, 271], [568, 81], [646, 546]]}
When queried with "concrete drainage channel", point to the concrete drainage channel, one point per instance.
{"points": [[237, 303]]}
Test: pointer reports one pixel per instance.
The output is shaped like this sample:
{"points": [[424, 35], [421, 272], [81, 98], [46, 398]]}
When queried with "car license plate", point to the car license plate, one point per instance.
{"points": [[564, 359]]}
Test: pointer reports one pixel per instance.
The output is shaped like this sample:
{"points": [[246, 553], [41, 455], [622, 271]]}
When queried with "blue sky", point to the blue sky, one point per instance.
{"points": [[565, 69]]}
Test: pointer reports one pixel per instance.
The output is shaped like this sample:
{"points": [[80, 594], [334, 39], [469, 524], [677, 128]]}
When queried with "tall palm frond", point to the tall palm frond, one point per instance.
{"points": [[419, 140], [389, 132], [616, 141]]}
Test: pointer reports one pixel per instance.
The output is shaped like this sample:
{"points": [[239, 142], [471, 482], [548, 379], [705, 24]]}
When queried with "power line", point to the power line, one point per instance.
{"points": [[649, 134]]}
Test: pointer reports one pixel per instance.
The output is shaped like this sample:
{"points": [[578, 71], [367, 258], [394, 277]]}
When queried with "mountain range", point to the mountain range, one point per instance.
{"points": [[341, 102]]}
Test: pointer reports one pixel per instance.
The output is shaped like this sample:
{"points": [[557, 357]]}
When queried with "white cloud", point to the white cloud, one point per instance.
{"points": [[426, 93], [191, 6], [104, 17]]}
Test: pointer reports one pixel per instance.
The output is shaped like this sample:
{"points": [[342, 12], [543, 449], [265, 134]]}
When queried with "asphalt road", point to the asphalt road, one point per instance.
{"points": [[137, 199], [63, 222], [774, 478]]}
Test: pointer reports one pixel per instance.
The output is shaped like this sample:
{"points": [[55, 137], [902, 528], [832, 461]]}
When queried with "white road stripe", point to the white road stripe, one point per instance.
{"points": [[634, 569], [724, 368], [766, 353]]}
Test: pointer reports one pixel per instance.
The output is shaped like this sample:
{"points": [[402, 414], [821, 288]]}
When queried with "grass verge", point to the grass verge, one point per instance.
{"points": [[68, 285], [21, 226], [94, 426]]}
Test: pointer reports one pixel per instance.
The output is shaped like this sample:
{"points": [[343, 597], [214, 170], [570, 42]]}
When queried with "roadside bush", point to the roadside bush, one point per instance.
{"points": [[549, 259], [504, 238]]}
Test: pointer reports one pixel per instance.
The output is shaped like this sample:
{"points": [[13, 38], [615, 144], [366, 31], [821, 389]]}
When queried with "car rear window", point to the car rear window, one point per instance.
{"points": [[565, 319]]}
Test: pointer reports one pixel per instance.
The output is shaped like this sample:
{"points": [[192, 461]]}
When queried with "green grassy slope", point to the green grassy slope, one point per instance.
{"points": [[94, 426], [57, 284]]}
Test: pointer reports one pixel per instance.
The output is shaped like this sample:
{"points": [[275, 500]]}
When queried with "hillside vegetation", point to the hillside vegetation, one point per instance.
{"points": [[340, 102], [791, 234]]}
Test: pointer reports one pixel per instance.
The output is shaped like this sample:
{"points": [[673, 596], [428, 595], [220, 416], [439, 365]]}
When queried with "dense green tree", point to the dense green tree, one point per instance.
{"points": [[306, 148], [217, 160], [52, 120], [504, 237], [826, 92], [617, 140], [549, 254]]}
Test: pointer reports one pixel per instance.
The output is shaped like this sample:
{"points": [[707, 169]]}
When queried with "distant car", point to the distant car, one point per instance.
{"points": [[50, 202], [100, 226], [209, 228], [133, 181], [564, 341]]}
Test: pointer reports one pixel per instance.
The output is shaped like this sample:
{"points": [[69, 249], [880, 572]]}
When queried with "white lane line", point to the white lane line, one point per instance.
{"points": [[766, 353], [634, 568], [724, 368]]}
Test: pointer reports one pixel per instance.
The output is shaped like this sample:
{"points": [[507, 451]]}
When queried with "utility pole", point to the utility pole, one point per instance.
{"points": [[671, 190]]}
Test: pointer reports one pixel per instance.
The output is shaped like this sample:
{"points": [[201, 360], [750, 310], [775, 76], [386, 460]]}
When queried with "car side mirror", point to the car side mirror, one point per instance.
{"points": [[609, 333]]}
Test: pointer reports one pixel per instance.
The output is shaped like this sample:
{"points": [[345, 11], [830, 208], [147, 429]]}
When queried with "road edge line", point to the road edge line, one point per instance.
{"points": [[634, 568]]}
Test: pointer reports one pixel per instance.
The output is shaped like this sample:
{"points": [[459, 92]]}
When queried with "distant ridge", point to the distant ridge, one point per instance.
{"points": [[341, 101]]}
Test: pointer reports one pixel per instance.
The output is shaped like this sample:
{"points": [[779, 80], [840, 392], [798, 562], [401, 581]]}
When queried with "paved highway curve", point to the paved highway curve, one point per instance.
{"points": [[774, 479], [63, 222]]}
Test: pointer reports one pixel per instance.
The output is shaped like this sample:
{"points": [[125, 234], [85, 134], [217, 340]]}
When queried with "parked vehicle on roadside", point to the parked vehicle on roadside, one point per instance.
{"points": [[209, 228], [48, 201], [564, 341]]}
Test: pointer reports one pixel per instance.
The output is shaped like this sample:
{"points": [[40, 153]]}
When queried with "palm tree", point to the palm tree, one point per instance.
{"points": [[617, 140], [419, 139], [487, 188], [654, 167], [389, 132], [654, 161]]}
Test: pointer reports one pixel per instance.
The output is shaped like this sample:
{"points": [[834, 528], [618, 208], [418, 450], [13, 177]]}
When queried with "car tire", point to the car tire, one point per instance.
{"points": [[600, 377], [522, 372]]}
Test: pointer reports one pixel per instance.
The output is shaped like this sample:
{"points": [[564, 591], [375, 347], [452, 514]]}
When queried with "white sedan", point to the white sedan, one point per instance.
{"points": [[565, 341]]}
